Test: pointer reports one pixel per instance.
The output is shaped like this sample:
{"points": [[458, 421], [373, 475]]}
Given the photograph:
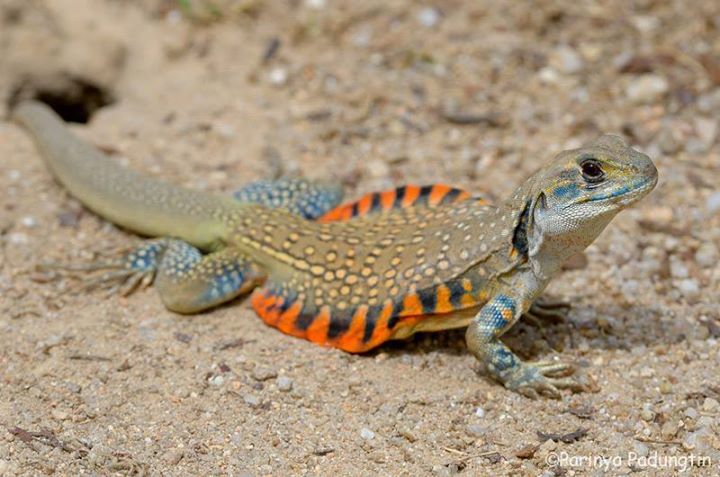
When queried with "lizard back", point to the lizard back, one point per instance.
{"points": [[356, 284]]}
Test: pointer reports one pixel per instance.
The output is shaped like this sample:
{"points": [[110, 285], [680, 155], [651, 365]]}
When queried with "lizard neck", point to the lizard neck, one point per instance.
{"points": [[550, 247]]}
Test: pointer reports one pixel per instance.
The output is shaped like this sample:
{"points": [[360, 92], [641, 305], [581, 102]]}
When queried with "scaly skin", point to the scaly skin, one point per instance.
{"points": [[410, 260]]}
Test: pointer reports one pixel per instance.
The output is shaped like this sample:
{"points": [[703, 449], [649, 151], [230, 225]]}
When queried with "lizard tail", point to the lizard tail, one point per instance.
{"points": [[124, 197]]}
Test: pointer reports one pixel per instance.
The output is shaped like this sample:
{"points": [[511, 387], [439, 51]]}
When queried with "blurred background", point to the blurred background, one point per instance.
{"points": [[212, 94]]}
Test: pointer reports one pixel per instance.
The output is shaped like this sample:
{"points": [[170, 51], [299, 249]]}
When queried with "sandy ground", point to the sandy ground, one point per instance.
{"points": [[369, 94]]}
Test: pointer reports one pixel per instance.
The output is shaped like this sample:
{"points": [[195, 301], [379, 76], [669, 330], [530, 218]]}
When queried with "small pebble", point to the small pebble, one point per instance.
{"points": [[428, 17], [712, 204], [477, 430], [678, 269], [263, 374], [378, 168], [480, 412], [647, 415], [278, 76], [669, 140], [710, 405], [691, 413], [548, 75], [641, 448], [645, 23], [707, 255], [251, 400], [695, 146], [707, 130], [646, 89], [659, 215], [284, 383], [367, 434], [362, 38], [29, 222], [58, 414], [173, 457], [666, 387], [689, 287], [217, 380], [669, 429], [567, 60], [224, 130], [316, 4]]}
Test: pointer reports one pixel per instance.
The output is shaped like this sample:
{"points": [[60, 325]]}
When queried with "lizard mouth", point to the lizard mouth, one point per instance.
{"points": [[628, 193]]}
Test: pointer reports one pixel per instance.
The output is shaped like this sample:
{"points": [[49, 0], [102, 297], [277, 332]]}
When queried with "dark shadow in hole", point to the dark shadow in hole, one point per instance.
{"points": [[74, 99]]}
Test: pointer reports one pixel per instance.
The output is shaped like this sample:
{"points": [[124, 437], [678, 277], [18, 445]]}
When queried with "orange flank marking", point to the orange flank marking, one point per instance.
{"points": [[412, 193], [467, 300], [387, 199], [318, 329], [351, 341], [337, 214], [443, 304], [464, 195], [364, 204], [264, 306], [286, 323], [437, 193], [411, 305]]}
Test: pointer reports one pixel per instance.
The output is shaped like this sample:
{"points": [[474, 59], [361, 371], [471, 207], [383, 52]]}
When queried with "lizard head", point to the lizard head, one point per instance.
{"points": [[573, 199]]}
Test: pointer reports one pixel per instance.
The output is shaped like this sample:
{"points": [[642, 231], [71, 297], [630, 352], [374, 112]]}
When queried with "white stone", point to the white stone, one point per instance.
{"points": [[689, 287], [646, 89], [278, 76], [567, 60], [712, 204], [428, 17]]}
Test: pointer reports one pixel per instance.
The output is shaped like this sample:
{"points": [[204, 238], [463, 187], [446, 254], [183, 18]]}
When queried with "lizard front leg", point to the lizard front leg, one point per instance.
{"points": [[483, 340]]}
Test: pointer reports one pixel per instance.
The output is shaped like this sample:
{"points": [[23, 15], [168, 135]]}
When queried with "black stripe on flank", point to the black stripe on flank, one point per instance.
{"points": [[395, 317], [370, 321], [428, 298], [304, 320], [375, 202], [339, 323], [451, 196], [456, 293], [399, 196], [355, 209], [424, 194]]}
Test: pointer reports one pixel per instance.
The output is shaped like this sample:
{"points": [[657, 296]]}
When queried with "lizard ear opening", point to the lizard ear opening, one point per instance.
{"points": [[520, 234], [534, 233]]}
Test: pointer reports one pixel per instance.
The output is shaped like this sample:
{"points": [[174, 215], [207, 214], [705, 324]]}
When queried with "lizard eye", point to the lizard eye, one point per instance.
{"points": [[591, 171]]}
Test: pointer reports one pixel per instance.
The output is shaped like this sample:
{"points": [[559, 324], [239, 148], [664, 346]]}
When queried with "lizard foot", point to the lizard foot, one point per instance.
{"points": [[542, 377], [554, 311], [124, 275]]}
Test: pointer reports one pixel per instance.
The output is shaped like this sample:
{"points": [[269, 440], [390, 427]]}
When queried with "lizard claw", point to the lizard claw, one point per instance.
{"points": [[544, 377], [554, 311], [120, 275]]}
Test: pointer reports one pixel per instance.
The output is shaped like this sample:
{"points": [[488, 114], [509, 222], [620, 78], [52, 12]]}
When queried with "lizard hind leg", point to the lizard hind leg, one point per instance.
{"points": [[303, 197], [189, 282]]}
